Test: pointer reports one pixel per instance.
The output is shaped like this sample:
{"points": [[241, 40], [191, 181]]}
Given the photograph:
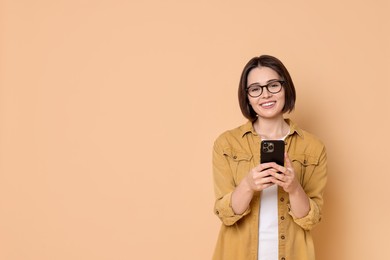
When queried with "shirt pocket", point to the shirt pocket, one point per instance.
{"points": [[304, 165], [240, 163]]}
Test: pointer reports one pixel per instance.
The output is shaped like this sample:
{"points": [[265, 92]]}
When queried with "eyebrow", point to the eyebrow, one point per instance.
{"points": [[269, 81]]}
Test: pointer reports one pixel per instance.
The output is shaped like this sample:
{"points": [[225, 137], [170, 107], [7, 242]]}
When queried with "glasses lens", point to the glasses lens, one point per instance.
{"points": [[274, 87], [255, 91]]}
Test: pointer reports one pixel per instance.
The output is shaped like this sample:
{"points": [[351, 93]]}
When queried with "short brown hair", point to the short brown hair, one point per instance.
{"points": [[272, 63]]}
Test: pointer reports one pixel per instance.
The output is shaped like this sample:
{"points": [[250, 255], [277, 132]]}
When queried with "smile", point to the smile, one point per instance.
{"points": [[268, 104]]}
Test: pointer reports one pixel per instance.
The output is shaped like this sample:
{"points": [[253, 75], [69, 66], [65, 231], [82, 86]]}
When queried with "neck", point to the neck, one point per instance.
{"points": [[271, 128]]}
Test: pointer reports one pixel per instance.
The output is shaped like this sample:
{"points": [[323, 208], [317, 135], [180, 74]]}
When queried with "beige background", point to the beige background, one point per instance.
{"points": [[109, 109]]}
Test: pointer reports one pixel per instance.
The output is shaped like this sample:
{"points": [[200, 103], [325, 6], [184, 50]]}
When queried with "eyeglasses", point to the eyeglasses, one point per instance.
{"points": [[255, 90]]}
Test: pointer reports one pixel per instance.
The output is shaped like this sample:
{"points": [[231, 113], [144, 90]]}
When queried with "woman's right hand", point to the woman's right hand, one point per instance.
{"points": [[259, 178]]}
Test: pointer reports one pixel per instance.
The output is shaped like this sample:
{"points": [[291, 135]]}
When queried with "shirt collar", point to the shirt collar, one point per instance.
{"points": [[248, 128], [294, 128]]}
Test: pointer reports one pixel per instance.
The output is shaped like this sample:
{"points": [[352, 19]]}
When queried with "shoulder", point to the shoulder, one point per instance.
{"points": [[233, 136], [306, 141], [311, 138]]}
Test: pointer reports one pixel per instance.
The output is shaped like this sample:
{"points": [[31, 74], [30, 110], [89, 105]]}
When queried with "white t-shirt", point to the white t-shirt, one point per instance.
{"points": [[268, 225]]}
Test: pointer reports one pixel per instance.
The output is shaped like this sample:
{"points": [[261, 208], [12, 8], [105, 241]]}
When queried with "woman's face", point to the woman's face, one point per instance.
{"points": [[267, 105]]}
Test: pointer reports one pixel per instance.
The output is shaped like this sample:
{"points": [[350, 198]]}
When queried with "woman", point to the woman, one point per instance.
{"points": [[267, 210]]}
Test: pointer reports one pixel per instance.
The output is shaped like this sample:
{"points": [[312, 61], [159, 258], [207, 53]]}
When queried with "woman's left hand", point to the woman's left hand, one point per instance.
{"points": [[286, 176]]}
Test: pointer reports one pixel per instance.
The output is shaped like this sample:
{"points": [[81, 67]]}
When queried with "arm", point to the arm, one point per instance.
{"points": [[314, 186], [232, 201], [256, 180], [299, 201], [224, 186], [305, 200]]}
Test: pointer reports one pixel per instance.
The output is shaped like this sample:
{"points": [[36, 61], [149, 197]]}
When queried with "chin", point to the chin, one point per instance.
{"points": [[270, 115]]}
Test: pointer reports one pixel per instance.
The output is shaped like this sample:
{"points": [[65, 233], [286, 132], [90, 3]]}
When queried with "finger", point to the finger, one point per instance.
{"points": [[263, 181], [287, 161], [278, 168], [277, 182], [289, 166], [262, 175], [276, 174], [281, 180], [265, 166], [263, 184], [266, 173]]}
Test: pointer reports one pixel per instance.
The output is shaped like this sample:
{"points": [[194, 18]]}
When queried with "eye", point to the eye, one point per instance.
{"points": [[274, 85], [254, 89]]}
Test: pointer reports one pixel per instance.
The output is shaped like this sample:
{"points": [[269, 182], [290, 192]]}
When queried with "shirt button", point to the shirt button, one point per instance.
{"points": [[283, 258], [234, 157], [281, 199], [217, 212], [282, 237], [282, 217]]}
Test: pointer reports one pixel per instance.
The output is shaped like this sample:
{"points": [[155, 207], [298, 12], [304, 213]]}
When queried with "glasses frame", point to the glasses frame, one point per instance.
{"points": [[267, 87]]}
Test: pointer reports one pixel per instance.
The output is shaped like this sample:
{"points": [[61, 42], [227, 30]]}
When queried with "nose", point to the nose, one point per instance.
{"points": [[266, 93]]}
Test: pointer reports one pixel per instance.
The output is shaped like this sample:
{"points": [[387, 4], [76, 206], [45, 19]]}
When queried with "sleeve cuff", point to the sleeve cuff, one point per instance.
{"points": [[224, 211], [311, 219]]}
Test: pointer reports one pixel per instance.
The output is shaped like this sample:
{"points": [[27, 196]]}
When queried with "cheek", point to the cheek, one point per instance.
{"points": [[252, 101], [282, 100]]}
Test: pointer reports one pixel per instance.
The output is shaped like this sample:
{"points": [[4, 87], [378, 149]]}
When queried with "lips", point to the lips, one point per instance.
{"points": [[268, 104]]}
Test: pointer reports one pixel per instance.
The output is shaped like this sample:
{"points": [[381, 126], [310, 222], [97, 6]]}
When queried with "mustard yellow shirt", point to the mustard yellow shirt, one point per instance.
{"points": [[235, 153]]}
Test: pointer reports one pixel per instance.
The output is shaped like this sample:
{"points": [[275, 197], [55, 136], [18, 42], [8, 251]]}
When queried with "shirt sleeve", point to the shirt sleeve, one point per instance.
{"points": [[224, 186], [314, 185]]}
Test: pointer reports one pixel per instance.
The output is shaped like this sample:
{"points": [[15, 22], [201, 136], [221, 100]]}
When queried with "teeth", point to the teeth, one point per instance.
{"points": [[267, 104]]}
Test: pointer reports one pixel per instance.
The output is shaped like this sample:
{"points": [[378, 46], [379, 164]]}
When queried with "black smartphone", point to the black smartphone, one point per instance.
{"points": [[272, 151]]}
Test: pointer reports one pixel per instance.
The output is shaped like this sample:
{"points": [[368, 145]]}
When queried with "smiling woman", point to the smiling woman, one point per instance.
{"points": [[267, 210], [108, 109]]}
